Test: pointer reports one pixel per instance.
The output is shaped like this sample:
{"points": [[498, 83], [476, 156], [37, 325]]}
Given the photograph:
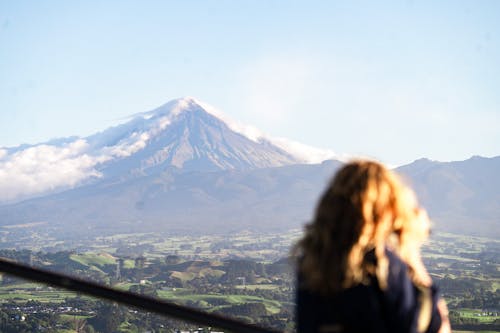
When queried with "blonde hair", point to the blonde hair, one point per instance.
{"points": [[362, 207]]}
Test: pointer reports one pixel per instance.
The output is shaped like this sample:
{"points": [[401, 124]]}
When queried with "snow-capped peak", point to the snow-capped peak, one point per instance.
{"points": [[166, 113], [302, 152], [172, 108]]}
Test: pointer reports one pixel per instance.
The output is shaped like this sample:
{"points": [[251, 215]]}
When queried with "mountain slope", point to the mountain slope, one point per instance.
{"points": [[259, 199], [462, 197]]}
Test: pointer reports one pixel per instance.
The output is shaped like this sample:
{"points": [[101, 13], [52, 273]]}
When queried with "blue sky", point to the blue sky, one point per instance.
{"points": [[394, 80]]}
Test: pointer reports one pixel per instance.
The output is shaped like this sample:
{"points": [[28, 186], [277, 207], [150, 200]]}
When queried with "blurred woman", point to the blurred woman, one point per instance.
{"points": [[359, 264]]}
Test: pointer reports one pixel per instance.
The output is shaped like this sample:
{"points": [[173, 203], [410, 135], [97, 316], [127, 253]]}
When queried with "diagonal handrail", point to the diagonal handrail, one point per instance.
{"points": [[139, 301]]}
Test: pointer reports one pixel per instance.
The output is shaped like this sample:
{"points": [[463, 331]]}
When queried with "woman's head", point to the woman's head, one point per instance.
{"points": [[363, 205]]}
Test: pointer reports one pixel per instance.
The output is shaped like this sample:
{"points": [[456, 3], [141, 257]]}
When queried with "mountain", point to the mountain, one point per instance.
{"points": [[462, 197], [183, 134]]}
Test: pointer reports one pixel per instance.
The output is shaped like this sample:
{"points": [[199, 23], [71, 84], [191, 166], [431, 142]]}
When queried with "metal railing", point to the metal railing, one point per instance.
{"points": [[126, 298]]}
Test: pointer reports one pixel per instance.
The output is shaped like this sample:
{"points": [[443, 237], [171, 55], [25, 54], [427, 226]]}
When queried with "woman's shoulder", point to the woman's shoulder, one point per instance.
{"points": [[398, 269], [394, 258]]}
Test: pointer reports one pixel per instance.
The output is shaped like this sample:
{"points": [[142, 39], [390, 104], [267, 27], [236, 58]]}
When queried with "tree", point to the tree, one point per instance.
{"points": [[108, 318]]}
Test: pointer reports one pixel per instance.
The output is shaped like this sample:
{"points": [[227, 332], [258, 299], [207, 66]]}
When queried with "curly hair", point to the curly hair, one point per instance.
{"points": [[365, 207]]}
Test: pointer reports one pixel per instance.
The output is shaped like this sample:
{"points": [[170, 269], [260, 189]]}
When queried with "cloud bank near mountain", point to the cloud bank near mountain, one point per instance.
{"points": [[44, 168]]}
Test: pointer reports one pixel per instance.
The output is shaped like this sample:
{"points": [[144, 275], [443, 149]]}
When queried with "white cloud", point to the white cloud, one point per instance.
{"points": [[137, 141], [304, 152], [127, 147], [40, 169], [43, 168]]}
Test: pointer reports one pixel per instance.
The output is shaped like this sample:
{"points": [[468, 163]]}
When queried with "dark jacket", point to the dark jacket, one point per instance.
{"points": [[366, 308]]}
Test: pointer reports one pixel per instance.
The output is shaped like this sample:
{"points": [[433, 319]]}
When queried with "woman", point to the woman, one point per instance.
{"points": [[359, 266]]}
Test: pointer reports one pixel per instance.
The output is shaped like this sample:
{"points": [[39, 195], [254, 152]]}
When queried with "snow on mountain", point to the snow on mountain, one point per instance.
{"points": [[303, 152], [183, 133]]}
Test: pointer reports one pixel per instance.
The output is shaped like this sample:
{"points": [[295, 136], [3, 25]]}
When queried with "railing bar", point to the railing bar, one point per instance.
{"points": [[143, 302]]}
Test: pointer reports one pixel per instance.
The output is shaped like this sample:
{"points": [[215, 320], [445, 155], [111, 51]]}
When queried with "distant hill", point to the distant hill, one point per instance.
{"points": [[462, 197], [222, 201]]}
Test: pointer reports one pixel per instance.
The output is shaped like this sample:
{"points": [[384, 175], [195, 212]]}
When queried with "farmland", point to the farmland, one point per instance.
{"points": [[245, 275]]}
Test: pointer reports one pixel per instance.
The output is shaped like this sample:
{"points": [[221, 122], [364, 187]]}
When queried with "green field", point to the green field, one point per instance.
{"points": [[94, 259], [36, 292], [211, 302], [477, 314], [259, 286]]}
